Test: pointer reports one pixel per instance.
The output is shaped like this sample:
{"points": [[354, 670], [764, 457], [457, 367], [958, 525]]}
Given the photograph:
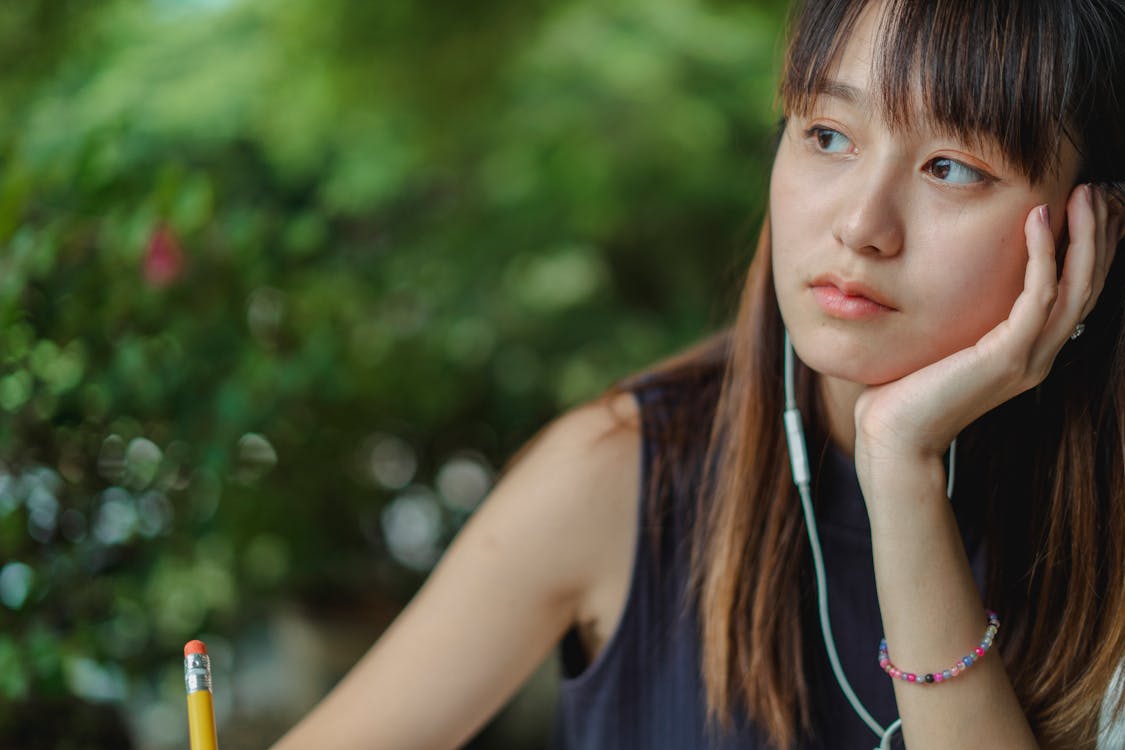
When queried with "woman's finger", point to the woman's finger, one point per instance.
{"points": [[1076, 285], [1110, 214], [1101, 248], [1104, 217], [1034, 305]]}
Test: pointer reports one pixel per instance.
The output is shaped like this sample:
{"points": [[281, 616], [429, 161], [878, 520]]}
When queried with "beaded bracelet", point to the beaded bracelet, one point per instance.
{"points": [[946, 674]]}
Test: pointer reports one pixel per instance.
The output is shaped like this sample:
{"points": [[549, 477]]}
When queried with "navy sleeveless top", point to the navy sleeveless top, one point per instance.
{"points": [[644, 690]]}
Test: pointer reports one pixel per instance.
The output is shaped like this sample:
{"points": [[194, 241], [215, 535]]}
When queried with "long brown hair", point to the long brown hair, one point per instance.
{"points": [[1048, 467]]}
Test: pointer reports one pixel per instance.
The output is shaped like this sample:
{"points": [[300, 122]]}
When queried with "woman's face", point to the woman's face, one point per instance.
{"points": [[892, 250]]}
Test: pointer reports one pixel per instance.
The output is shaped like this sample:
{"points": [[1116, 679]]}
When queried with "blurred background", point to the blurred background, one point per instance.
{"points": [[283, 283]]}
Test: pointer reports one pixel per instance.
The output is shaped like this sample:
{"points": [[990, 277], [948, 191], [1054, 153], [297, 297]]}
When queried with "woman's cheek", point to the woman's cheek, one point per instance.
{"points": [[983, 285]]}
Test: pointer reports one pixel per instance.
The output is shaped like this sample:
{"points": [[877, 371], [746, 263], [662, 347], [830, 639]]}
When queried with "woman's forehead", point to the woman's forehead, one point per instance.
{"points": [[907, 63], [853, 77]]}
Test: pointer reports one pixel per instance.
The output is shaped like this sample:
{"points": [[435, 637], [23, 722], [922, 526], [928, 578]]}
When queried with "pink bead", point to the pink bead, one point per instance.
{"points": [[978, 651], [938, 677], [911, 678]]}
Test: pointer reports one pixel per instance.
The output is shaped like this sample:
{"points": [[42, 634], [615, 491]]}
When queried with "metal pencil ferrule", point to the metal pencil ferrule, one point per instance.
{"points": [[197, 672]]}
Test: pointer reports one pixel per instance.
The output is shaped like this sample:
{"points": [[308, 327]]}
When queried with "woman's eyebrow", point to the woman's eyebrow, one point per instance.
{"points": [[845, 91]]}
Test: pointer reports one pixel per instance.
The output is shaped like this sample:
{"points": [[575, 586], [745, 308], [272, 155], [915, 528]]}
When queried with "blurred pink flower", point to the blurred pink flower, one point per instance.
{"points": [[164, 259]]}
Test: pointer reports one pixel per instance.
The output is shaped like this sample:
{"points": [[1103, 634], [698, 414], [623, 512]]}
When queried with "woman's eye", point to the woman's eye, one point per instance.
{"points": [[828, 140], [949, 170]]}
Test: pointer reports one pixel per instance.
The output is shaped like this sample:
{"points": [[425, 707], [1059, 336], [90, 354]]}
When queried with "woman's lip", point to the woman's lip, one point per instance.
{"points": [[852, 288], [847, 306]]}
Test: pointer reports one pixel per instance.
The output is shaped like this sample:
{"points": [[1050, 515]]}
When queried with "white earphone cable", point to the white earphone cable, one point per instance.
{"points": [[799, 462]]}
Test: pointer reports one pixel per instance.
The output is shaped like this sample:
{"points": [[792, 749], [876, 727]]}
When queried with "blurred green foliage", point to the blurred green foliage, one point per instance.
{"points": [[254, 250]]}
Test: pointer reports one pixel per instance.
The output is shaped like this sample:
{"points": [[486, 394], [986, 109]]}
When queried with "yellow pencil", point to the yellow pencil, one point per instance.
{"points": [[200, 709]]}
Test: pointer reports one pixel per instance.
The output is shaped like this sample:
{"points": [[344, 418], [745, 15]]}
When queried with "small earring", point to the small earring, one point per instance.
{"points": [[1078, 329]]}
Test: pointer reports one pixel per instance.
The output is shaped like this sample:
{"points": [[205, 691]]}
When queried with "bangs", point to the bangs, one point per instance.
{"points": [[987, 72]]}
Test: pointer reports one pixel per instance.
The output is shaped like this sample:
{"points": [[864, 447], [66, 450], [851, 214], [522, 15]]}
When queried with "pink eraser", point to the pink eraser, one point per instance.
{"points": [[195, 647]]}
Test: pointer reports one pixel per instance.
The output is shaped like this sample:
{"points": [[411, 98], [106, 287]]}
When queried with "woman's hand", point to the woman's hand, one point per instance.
{"points": [[917, 416]]}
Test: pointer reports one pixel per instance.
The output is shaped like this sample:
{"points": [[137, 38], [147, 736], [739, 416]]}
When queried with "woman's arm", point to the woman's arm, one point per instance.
{"points": [[933, 616], [527, 565]]}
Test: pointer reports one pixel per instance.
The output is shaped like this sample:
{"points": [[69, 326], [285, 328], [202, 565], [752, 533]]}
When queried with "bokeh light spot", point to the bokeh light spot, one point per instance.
{"points": [[9, 501], [161, 722], [214, 584], [556, 281], [256, 457], [15, 390], [411, 527], [463, 482], [154, 512], [142, 459], [116, 518], [13, 674], [96, 682], [471, 341], [16, 579], [179, 605], [43, 511], [392, 462]]}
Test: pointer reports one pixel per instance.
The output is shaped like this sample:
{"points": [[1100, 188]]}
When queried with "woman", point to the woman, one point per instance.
{"points": [[945, 209]]}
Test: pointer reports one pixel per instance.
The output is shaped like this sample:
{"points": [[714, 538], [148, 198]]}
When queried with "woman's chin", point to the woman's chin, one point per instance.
{"points": [[862, 367], [875, 355]]}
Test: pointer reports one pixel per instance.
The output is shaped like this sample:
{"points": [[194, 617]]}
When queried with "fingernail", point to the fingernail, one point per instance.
{"points": [[1044, 215]]}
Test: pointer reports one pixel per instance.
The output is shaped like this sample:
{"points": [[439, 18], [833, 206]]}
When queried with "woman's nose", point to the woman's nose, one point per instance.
{"points": [[868, 215]]}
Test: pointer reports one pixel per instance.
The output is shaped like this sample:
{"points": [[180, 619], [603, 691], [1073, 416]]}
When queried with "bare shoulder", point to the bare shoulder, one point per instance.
{"points": [[583, 468], [564, 516], [591, 445]]}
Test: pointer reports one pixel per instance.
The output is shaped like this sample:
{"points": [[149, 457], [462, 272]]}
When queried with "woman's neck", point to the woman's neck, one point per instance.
{"points": [[838, 399]]}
